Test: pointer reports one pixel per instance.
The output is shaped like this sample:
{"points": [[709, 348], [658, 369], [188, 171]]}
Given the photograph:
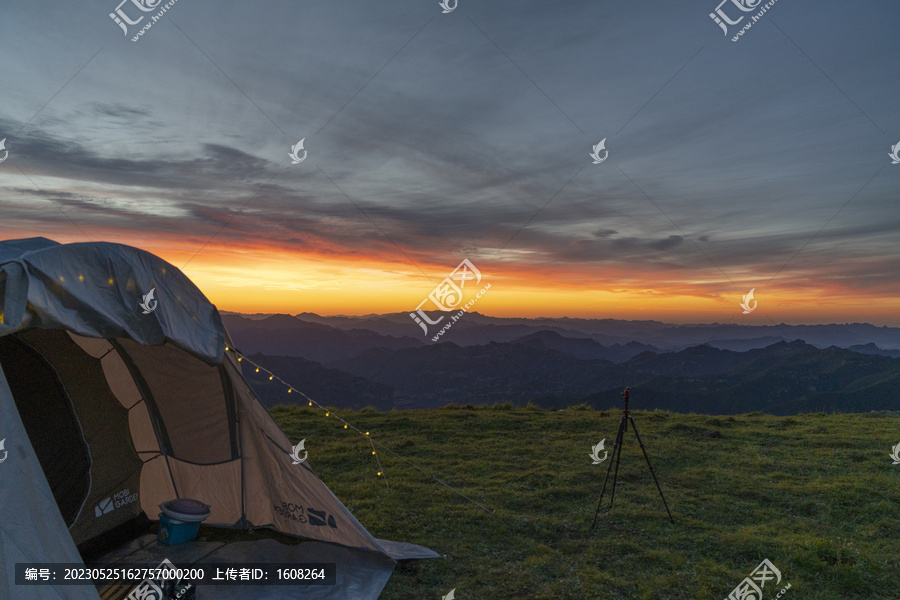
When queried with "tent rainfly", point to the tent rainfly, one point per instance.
{"points": [[113, 401]]}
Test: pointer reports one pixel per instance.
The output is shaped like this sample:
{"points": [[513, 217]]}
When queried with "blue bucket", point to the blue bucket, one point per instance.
{"points": [[172, 531], [180, 520]]}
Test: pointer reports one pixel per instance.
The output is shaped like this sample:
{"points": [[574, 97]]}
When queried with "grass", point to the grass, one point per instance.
{"points": [[815, 494]]}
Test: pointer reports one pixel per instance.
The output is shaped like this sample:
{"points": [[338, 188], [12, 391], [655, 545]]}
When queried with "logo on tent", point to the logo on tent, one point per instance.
{"points": [[296, 454], [149, 304], [317, 518], [104, 507], [5, 452], [895, 455]]}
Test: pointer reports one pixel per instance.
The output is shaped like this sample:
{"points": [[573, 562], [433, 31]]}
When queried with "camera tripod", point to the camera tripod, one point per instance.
{"points": [[623, 426]]}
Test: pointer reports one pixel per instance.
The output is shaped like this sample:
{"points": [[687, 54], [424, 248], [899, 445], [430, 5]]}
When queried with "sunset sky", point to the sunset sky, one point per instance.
{"points": [[434, 137]]}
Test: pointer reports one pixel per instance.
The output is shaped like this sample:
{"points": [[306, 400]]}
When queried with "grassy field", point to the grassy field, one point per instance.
{"points": [[815, 494]]}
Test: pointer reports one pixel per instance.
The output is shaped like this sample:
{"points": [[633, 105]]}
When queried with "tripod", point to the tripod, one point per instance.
{"points": [[623, 426]]}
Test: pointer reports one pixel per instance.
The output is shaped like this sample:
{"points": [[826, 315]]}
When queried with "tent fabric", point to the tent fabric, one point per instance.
{"points": [[163, 408], [95, 290], [31, 528]]}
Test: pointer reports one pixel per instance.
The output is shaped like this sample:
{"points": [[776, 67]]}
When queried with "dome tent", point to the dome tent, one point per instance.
{"points": [[113, 401]]}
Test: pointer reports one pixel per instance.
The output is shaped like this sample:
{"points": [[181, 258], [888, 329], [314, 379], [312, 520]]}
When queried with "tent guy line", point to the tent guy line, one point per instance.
{"points": [[347, 425]]}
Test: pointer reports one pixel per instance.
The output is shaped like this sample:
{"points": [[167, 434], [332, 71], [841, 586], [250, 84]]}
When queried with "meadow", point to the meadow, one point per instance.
{"points": [[816, 494]]}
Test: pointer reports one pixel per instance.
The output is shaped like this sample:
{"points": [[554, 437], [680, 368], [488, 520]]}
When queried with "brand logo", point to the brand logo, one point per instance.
{"points": [[596, 153], [5, 452], [104, 507], [294, 149], [149, 304], [746, 303], [296, 453], [895, 150], [595, 454], [6, 152], [449, 596], [296, 512], [895, 455], [448, 296], [118, 500], [446, 6], [751, 587]]}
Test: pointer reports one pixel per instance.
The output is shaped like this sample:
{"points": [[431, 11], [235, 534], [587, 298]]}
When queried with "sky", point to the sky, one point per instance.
{"points": [[433, 137]]}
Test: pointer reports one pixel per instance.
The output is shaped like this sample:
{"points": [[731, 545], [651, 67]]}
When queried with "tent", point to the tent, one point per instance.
{"points": [[114, 399]]}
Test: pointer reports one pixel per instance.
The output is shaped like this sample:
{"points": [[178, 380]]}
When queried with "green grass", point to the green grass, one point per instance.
{"points": [[815, 494]]}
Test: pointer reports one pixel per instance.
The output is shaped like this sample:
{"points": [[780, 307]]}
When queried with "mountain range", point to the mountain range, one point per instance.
{"points": [[382, 361]]}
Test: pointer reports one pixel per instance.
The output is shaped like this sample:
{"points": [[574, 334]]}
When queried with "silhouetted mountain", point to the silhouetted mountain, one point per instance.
{"points": [[873, 349], [284, 335], [328, 387], [445, 373], [477, 329], [355, 367], [585, 347]]}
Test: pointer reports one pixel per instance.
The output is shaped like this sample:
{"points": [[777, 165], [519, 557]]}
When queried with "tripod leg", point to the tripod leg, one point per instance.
{"points": [[617, 444], [644, 450], [612, 496]]}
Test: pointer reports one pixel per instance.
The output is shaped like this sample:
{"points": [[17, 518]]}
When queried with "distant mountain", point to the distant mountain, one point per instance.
{"points": [[873, 349], [284, 335], [328, 387], [478, 329], [346, 365], [585, 347]]}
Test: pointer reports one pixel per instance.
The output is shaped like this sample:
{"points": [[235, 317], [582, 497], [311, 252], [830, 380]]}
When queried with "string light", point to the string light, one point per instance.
{"points": [[379, 472]]}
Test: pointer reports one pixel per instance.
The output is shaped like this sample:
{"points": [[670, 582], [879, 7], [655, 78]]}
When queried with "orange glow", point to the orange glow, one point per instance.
{"points": [[255, 279]]}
